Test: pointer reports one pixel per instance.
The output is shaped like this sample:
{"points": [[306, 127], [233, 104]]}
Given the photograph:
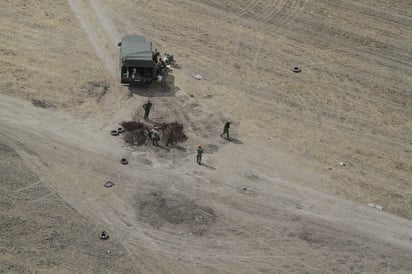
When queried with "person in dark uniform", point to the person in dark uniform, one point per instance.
{"points": [[226, 130], [147, 108], [199, 154], [171, 138], [155, 56]]}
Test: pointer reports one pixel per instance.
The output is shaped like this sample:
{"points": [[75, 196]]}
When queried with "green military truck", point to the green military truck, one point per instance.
{"points": [[140, 63], [138, 60]]}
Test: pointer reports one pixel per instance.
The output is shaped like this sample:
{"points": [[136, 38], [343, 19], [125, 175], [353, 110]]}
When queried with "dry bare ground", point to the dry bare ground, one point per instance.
{"points": [[273, 200]]}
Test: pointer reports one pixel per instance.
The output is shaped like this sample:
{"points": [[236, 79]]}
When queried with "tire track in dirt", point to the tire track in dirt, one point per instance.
{"points": [[88, 28], [348, 215], [111, 34], [105, 22], [72, 170], [247, 9], [272, 15], [135, 240], [270, 12], [73, 175], [57, 172], [361, 54], [76, 169]]}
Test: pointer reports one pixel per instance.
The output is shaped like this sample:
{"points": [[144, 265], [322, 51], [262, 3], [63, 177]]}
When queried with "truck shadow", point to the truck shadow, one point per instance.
{"points": [[155, 89]]}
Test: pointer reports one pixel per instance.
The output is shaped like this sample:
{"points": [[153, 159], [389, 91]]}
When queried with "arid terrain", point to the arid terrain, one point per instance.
{"points": [[288, 194]]}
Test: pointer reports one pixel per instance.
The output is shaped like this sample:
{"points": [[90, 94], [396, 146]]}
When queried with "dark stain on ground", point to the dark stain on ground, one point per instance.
{"points": [[7, 151], [159, 209], [41, 103], [136, 133]]}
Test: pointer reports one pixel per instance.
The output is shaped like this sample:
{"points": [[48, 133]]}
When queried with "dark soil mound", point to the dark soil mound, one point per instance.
{"points": [[176, 127], [137, 133], [133, 125]]}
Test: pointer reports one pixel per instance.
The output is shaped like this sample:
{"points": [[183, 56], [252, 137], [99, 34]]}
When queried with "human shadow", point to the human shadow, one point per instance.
{"points": [[176, 66], [181, 148], [207, 166], [233, 140], [164, 147], [236, 141]]}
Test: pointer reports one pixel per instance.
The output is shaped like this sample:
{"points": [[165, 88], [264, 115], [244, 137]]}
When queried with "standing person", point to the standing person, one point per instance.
{"points": [[226, 130], [147, 108], [171, 138], [154, 135], [199, 154]]}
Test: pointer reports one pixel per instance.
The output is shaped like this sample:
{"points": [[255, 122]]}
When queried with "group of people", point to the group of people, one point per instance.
{"points": [[154, 132], [161, 64], [155, 136]]}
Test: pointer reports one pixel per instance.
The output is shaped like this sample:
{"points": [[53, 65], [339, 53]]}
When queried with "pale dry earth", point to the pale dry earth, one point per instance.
{"points": [[275, 200]]}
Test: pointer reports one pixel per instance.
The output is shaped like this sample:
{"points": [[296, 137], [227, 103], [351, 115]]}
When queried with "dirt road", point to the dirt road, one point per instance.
{"points": [[171, 215], [273, 200]]}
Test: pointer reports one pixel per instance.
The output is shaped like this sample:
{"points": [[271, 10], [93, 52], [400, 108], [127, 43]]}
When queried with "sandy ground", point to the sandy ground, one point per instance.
{"points": [[275, 199]]}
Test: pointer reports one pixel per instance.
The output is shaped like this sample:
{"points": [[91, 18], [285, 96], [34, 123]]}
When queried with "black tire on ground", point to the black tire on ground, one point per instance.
{"points": [[120, 130], [296, 69], [109, 184], [124, 161], [104, 236], [114, 132]]}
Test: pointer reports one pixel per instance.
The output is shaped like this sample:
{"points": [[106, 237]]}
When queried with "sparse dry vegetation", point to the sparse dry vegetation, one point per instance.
{"points": [[274, 200]]}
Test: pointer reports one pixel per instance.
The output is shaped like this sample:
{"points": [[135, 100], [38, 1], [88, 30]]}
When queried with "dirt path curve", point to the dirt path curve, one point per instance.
{"points": [[75, 164], [76, 157], [244, 216]]}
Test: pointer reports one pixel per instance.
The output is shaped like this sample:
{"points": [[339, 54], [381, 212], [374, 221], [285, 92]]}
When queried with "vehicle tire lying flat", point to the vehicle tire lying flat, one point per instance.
{"points": [[104, 236], [109, 184]]}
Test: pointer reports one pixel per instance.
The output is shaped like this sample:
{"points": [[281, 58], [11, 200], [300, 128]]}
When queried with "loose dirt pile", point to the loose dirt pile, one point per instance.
{"points": [[137, 133], [175, 127]]}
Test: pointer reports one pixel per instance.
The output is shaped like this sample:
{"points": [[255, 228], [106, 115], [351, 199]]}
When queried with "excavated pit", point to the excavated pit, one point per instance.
{"points": [[137, 133]]}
